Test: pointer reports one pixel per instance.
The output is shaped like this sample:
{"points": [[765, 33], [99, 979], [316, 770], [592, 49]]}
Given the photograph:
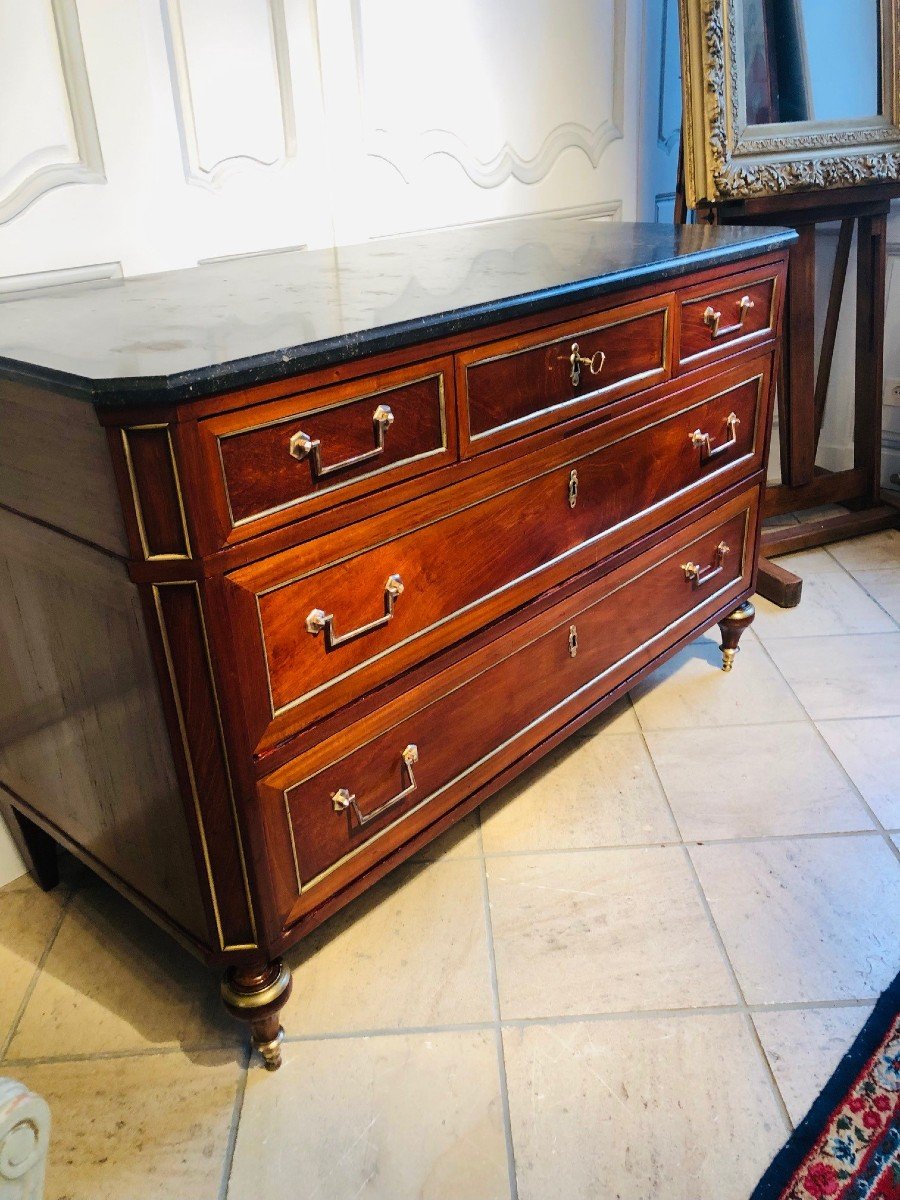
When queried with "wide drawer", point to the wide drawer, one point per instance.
{"points": [[517, 386], [330, 621], [291, 457], [468, 723], [717, 319]]}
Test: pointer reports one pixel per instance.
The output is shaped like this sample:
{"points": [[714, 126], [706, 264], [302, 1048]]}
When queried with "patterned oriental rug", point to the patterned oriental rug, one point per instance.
{"points": [[848, 1145]]}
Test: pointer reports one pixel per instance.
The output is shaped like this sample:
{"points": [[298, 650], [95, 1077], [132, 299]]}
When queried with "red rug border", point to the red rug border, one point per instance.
{"points": [[790, 1157]]}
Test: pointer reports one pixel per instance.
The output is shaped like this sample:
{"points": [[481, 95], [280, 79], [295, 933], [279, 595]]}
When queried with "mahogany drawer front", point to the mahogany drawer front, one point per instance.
{"points": [[331, 625], [719, 318], [523, 384], [463, 727], [295, 456]]}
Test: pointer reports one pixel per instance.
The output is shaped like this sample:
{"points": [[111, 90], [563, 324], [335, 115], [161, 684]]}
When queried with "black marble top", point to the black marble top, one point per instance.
{"points": [[183, 334]]}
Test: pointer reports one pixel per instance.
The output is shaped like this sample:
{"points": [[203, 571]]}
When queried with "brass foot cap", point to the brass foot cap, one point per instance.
{"points": [[728, 657], [271, 1051]]}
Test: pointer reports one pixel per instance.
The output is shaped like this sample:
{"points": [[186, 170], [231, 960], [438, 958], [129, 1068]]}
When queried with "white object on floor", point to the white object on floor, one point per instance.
{"points": [[24, 1139]]}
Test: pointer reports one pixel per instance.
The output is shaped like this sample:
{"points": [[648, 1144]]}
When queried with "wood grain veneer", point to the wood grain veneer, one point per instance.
{"points": [[82, 736], [55, 466]]}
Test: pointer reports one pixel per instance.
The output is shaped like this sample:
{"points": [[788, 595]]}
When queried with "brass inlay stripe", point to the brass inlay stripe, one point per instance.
{"points": [[305, 887], [136, 499], [189, 762]]}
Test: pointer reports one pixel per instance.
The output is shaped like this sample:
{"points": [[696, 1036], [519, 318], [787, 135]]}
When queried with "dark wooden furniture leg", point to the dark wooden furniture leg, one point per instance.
{"points": [[256, 995], [871, 274], [731, 628], [796, 396], [37, 848]]}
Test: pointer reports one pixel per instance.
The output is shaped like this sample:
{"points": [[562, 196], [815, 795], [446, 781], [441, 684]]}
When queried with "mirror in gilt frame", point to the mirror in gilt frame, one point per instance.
{"points": [[788, 95]]}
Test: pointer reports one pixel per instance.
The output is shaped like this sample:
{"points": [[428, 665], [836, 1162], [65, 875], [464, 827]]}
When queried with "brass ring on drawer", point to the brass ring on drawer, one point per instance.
{"points": [[704, 440], [343, 799], [711, 318], [318, 620], [302, 446], [698, 576]]}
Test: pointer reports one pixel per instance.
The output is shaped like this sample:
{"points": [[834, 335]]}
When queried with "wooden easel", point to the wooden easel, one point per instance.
{"points": [[803, 385]]}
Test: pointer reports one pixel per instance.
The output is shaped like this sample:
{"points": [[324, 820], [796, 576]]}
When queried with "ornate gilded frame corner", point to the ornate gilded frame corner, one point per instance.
{"points": [[724, 160]]}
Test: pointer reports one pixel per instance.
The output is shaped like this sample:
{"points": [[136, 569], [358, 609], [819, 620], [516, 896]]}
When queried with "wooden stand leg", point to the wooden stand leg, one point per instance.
{"points": [[256, 995], [731, 628], [779, 585], [37, 848]]}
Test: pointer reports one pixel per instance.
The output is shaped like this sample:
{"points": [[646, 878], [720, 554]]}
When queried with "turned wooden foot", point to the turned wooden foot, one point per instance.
{"points": [[37, 848], [731, 628], [256, 995]]}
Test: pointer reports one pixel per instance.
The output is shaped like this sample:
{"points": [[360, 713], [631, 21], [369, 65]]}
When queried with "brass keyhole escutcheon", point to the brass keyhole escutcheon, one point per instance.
{"points": [[577, 360], [573, 641], [573, 488]]}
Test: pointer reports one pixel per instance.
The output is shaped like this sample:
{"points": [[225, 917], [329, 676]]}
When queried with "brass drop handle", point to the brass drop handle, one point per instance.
{"points": [[698, 576], [343, 799], [303, 446], [577, 360], [711, 318], [318, 620], [704, 441]]}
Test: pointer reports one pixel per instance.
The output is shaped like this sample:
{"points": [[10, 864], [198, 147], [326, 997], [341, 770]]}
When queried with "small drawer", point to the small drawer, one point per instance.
{"points": [[334, 618], [515, 387], [716, 320], [278, 461], [415, 760]]}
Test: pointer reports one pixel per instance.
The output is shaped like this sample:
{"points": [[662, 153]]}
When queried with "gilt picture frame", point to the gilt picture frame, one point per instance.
{"points": [[726, 158]]}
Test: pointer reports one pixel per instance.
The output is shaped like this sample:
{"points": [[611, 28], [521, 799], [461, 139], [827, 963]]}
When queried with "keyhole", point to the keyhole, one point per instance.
{"points": [[573, 641]]}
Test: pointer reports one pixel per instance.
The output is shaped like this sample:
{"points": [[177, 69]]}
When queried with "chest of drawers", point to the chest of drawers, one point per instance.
{"points": [[306, 555]]}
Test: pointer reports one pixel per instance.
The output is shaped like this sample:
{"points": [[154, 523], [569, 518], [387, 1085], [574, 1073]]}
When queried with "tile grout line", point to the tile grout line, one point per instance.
{"points": [[236, 1111], [648, 1014], [497, 1027], [703, 841], [44, 1060], [32, 984], [859, 633], [720, 942], [826, 720]]}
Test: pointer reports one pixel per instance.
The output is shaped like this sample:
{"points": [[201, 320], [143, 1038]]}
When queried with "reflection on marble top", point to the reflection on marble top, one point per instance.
{"points": [[182, 334]]}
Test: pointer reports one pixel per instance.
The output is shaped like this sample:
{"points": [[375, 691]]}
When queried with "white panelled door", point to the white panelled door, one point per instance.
{"points": [[155, 134], [151, 135]]}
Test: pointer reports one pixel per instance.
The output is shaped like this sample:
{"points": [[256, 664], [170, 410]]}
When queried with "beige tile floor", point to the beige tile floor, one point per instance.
{"points": [[628, 977]]}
